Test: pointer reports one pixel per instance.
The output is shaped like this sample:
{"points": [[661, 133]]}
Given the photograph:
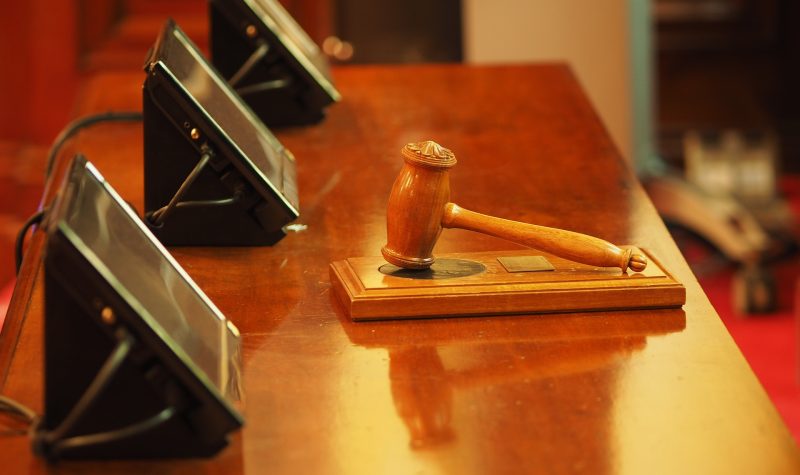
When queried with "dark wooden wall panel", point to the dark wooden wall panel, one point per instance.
{"points": [[38, 79]]}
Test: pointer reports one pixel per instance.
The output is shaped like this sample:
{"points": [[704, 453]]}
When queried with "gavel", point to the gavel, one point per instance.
{"points": [[419, 207]]}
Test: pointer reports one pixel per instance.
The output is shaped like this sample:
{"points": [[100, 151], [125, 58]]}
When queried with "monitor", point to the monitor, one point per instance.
{"points": [[248, 191], [109, 283], [271, 61]]}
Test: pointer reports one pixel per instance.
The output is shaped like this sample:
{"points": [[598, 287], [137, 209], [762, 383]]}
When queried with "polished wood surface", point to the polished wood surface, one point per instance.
{"points": [[608, 392], [480, 283]]}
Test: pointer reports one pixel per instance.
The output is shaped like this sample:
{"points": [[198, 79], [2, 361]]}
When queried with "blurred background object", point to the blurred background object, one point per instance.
{"points": [[593, 37], [705, 88], [411, 31]]}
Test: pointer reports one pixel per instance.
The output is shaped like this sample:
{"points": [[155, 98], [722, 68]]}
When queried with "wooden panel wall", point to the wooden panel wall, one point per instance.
{"points": [[38, 46], [41, 42], [96, 18]]}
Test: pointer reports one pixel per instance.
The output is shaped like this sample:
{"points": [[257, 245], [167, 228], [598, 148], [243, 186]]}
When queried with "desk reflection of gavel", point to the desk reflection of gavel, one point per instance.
{"points": [[419, 207], [422, 387]]}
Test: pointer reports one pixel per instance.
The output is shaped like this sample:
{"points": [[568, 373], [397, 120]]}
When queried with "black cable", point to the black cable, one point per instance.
{"points": [[20, 410], [20, 242], [9, 405], [158, 216], [200, 203], [263, 86], [75, 126], [114, 435], [68, 132], [161, 212]]}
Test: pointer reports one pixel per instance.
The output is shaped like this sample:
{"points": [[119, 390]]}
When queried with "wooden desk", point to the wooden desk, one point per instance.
{"points": [[625, 392]]}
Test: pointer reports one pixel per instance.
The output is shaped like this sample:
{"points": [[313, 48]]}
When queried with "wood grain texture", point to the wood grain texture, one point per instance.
{"points": [[656, 391], [369, 294]]}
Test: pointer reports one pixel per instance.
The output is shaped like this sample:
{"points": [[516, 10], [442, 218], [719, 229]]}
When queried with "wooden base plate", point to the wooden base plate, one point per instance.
{"points": [[478, 284]]}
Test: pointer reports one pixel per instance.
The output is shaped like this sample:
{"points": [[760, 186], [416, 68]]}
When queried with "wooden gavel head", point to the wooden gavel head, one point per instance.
{"points": [[416, 205]]}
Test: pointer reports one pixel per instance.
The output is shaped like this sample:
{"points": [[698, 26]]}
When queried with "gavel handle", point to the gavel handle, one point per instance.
{"points": [[569, 245]]}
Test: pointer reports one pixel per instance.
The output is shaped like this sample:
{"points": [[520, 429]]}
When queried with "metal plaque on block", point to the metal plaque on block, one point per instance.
{"points": [[526, 263]]}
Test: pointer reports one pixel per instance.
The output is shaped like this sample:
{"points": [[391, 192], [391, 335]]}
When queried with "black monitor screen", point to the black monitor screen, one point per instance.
{"points": [[263, 154], [107, 233]]}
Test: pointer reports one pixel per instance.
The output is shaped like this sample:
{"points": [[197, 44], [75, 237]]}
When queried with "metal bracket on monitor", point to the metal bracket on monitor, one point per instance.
{"points": [[63, 440], [156, 219]]}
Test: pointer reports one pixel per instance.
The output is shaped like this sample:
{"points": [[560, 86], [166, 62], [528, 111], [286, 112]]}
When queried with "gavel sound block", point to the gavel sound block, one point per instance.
{"points": [[574, 273]]}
